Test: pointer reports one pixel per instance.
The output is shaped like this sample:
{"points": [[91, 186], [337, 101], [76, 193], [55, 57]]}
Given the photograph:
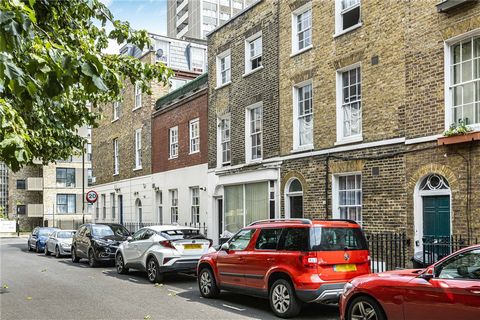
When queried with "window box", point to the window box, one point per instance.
{"points": [[471, 136]]}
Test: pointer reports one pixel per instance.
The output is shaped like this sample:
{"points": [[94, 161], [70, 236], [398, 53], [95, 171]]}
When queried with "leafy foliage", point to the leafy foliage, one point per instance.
{"points": [[459, 130], [52, 69]]}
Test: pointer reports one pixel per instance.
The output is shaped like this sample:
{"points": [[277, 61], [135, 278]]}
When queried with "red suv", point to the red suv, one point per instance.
{"points": [[288, 262]]}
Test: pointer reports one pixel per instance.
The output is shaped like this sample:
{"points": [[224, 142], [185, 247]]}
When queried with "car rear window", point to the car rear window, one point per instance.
{"points": [[336, 239], [65, 234], [182, 234]]}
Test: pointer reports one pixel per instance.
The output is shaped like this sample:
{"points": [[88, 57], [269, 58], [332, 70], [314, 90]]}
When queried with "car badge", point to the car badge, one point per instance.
{"points": [[346, 256]]}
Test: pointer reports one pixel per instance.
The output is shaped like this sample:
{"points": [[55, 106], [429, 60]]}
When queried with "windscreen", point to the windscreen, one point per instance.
{"points": [[106, 230], [65, 234], [45, 232], [182, 234], [337, 239]]}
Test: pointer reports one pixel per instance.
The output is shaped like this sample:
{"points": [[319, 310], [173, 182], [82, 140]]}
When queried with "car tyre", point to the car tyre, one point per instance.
{"points": [[29, 247], [207, 284], [75, 258], [120, 264], [364, 307], [57, 252], [283, 301], [37, 248], [47, 253], [92, 262], [153, 271]]}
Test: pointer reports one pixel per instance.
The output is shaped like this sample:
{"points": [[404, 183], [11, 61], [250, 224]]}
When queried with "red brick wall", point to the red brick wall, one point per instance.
{"points": [[180, 115]]}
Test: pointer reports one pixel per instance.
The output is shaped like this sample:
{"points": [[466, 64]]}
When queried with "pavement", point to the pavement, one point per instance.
{"points": [[34, 286]]}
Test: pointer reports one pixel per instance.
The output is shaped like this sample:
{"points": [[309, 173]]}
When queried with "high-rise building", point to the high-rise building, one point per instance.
{"points": [[196, 18]]}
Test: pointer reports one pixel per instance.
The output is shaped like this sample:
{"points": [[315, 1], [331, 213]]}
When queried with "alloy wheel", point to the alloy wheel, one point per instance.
{"points": [[57, 252], [363, 310], [281, 298], [152, 270], [205, 283], [119, 263]]}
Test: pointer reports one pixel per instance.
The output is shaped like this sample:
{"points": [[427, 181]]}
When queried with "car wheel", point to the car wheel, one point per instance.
{"points": [[74, 255], [207, 284], [46, 250], [92, 262], [29, 246], [57, 252], [37, 248], [364, 307], [283, 300], [120, 264], [153, 271]]}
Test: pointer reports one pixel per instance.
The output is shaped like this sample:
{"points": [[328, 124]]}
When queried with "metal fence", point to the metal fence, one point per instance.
{"points": [[70, 224], [388, 251], [135, 226], [436, 248]]}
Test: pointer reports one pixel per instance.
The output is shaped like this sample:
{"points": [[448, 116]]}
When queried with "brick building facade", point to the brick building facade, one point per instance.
{"points": [[360, 113], [179, 154], [122, 142]]}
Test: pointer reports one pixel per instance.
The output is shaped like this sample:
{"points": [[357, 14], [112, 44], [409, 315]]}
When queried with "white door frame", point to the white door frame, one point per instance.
{"points": [[288, 194]]}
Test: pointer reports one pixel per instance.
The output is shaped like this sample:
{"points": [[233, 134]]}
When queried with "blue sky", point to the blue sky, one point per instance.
{"points": [[150, 15]]}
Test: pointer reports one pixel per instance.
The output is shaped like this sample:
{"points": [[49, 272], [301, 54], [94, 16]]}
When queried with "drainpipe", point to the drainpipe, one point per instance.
{"points": [[327, 173]]}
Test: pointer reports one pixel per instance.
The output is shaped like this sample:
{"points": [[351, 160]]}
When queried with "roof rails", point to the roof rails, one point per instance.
{"points": [[303, 221], [342, 220]]}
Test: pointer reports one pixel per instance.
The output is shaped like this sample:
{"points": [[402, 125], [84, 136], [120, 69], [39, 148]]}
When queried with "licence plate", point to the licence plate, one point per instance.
{"points": [[344, 267], [192, 246]]}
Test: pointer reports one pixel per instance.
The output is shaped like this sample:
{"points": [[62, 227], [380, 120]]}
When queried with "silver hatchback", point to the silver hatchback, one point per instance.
{"points": [[59, 243]]}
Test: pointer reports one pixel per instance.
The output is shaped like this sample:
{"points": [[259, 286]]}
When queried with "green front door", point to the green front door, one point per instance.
{"points": [[436, 216]]}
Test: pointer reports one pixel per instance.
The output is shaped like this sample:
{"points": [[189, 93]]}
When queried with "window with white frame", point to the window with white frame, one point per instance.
{"points": [[197, 59], [224, 140], [195, 205], [347, 15], [66, 203], [174, 205], [464, 83], [223, 68], [348, 197], [303, 116], [138, 95], [138, 148], [194, 135], [253, 128], [302, 28], [116, 110], [176, 83], [253, 53], [349, 113], [116, 163], [173, 138], [113, 208], [104, 206]]}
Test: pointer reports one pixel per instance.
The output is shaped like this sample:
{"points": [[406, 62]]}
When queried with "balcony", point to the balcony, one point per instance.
{"points": [[182, 19], [182, 32], [35, 184], [181, 6], [447, 5], [35, 210]]}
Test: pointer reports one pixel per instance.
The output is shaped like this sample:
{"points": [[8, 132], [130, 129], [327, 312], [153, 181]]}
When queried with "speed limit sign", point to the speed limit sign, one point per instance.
{"points": [[92, 196]]}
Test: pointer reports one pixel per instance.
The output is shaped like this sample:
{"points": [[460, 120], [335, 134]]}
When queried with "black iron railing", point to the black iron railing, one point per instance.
{"points": [[436, 248], [388, 251], [135, 226]]}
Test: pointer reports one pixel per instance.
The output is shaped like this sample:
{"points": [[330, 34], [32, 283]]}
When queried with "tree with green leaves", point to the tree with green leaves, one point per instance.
{"points": [[52, 69]]}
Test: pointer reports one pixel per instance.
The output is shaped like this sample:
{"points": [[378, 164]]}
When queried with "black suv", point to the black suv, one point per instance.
{"points": [[98, 242]]}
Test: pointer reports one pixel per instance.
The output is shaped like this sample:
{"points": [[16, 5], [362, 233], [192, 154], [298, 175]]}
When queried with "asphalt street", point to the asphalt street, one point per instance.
{"points": [[34, 286]]}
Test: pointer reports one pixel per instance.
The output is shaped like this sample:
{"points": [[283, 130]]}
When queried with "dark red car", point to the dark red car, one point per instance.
{"points": [[290, 262], [447, 290]]}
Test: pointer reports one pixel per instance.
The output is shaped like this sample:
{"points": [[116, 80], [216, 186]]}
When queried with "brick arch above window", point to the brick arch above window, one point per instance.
{"points": [[433, 168], [287, 178]]}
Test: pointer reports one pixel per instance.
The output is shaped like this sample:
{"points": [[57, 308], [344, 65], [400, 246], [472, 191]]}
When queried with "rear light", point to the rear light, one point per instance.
{"points": [[210, 242], [309, 259], [167, 244]]}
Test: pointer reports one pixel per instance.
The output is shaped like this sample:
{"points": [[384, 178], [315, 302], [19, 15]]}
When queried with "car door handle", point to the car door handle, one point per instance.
{"points": [[270, 259]]}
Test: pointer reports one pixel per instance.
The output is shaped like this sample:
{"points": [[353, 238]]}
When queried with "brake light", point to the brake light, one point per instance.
{"points": [[167, 244], [309, 260]]}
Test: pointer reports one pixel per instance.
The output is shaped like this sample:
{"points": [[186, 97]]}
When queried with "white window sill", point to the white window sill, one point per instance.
{"points": [[223, 85], [115, 120], [252, 71], [194, 152], [296, 53], [254, 161], [349, 140], [171, 158], [116, 174], [136, 108], [308, 147], [137, 168], [342, 32]]}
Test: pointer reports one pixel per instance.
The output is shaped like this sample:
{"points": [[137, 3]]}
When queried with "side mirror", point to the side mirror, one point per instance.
{"points": [[225, 246], [427, 274], [129, 238]]}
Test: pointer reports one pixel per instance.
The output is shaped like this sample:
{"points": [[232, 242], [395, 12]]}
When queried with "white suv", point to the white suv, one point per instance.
{"points": [[162, 249]]}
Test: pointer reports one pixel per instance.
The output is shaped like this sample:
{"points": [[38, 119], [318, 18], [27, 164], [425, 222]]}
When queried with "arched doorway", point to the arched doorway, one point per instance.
{"points": [[294, 199], [432, 215], [138, 210]]}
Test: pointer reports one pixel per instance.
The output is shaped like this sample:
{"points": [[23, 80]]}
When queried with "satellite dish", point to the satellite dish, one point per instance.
{"points": [[159, 53]]}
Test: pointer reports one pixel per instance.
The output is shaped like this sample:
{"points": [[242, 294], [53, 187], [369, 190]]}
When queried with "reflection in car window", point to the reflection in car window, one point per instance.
{"points": [[268, 239], [465, 265], [148, 233], [241, 239], [139, 234], [335, 239], [109, 230], [65, 234]]}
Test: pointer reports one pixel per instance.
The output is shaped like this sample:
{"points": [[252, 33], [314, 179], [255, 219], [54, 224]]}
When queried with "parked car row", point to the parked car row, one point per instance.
{"points": [[290, 262]]}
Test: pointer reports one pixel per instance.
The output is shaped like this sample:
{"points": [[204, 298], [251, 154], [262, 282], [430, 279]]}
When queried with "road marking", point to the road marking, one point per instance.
{"points": [[232, 307], [174, 291]]}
